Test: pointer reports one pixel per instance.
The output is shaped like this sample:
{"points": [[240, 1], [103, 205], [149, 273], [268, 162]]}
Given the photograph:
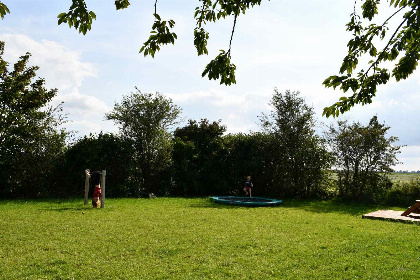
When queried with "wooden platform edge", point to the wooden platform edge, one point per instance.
{"points": [[395, 220]]}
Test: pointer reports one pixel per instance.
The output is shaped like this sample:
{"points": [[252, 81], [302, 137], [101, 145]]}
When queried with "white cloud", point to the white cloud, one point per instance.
{"points": [[85, 106], [61, 68], [410, 158], [217, 98], [230, 103], [238, 112]]}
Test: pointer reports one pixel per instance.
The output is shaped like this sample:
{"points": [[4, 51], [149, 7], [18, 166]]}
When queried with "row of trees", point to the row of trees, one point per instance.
{"points": [[286, 159]]}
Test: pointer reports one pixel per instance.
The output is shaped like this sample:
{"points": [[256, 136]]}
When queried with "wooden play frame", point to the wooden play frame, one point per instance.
{"points": [[103, 175], [415, 208]]}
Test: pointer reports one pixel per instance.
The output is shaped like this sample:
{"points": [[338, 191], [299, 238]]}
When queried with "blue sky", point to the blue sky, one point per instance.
{"points": [[288, 44]]}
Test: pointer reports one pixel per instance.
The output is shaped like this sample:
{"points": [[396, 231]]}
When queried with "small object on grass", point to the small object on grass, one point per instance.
{"points": [[83, 212], [152, 195]]}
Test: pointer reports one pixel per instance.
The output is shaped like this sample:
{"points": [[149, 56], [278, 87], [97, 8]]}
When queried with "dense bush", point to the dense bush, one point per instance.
{"points": [[403, 193], [200, 159], [249, 155], [98, 152]]}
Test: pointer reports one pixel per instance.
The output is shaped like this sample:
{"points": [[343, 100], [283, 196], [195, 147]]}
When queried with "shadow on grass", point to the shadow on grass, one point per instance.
{"points": [[222, 206], [62, 209], [316, 206], [46, 204], [333, 206], [208, 203]]}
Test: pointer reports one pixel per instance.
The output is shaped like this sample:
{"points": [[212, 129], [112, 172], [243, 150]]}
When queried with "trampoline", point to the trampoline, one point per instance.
{"points": [[246, 201]]}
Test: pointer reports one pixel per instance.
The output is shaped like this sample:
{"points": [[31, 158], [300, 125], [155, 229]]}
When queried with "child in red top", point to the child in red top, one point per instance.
{"points": [[97, 193], [96, 200]]}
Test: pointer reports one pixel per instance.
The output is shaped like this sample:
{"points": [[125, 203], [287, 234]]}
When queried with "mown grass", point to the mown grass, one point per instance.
{"points": [[176, 238]]}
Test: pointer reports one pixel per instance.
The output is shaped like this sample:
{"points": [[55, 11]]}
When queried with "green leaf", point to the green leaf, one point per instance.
{"points": [[3, 10], [78, 16], [92, 14], [121, 4], [220, 67]]}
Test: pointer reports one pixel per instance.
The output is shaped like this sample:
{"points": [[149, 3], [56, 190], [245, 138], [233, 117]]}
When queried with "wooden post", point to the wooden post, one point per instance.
{"points": [[103, 188], [86, 189]]}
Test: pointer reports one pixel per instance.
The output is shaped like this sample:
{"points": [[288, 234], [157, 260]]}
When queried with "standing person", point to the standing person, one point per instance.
{"points": [[248, 186], [97, 193]]}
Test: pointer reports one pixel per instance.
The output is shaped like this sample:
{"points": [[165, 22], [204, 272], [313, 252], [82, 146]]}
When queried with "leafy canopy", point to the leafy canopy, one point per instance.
{"points": [[300, 155], [363, 158], [3, 10], [145, 118], [21, 99], [200, 158], [30, 138], [78, 16], [402, 43], [221, 67]]}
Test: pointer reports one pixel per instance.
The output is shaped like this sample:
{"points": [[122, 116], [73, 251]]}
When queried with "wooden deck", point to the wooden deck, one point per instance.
{"points": [[395, 216]]}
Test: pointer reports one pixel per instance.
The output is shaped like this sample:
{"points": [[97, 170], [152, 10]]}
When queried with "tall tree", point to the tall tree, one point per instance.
{"points": [[300, 156], [144, 118], [402, 43], [30, 138], [363, 156]]}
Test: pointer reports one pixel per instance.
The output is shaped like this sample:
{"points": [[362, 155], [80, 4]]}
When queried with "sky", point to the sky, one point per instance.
{"points": [[289, 45]]}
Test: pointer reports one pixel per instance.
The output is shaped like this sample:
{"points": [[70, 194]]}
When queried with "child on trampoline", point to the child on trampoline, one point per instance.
{"points": [[97, 193], [248, 186]]}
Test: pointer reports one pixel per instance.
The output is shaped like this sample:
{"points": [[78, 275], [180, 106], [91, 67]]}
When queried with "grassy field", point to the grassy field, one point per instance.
{"points": [[174, 238], [395, 177], [404, 177]]}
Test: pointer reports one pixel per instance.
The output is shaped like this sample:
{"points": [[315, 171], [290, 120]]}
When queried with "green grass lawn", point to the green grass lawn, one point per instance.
{"points": [[175, 238]]}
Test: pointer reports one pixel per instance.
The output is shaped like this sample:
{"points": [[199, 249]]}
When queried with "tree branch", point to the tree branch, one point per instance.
{"points": [[200, 20], [233, 30], [383, 50], [393, 15]]}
